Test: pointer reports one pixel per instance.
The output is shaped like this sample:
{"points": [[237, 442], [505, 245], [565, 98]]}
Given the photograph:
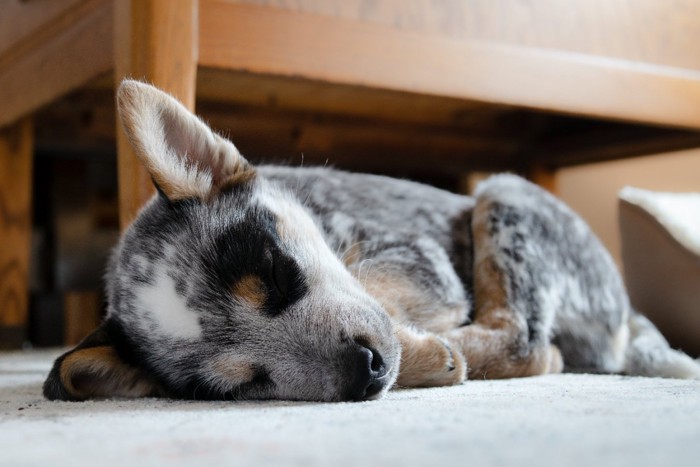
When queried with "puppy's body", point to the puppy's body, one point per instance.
{"points": [[391, 233], [380, 227], [316, 284]]}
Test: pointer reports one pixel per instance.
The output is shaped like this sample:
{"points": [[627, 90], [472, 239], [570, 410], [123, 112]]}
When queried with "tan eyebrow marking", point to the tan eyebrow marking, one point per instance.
{"points": [[250, 289]]}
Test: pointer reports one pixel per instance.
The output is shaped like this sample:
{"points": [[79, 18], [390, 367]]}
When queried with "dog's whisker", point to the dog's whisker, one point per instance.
{"points": [[352, 246]]}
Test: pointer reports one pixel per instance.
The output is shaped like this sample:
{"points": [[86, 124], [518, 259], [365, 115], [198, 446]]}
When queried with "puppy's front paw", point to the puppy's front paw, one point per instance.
{"points": [[428, 360]]}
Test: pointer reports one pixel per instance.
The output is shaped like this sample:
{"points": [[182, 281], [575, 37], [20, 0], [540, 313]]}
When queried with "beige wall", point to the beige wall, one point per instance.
{"points": [[592, 190]]}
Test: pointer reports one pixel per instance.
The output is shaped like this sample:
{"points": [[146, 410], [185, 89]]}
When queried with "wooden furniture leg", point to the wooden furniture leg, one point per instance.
{"points": [[155, 41], [544, 176], [16, 154]]}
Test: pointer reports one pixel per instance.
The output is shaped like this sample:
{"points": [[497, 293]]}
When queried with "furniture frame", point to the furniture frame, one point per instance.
{"points": [[411, 64]]}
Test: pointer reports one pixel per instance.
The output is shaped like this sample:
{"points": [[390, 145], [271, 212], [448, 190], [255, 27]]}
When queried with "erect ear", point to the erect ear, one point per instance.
{"points": [[183, 155], [94, 370]]}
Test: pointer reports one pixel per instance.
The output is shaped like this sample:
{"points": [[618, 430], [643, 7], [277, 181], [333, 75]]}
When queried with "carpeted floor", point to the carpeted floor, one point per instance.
{"points": [[561, 420]]}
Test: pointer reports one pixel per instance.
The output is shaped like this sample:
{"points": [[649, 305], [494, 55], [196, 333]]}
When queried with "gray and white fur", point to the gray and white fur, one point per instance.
{"points": [[242, 282]]}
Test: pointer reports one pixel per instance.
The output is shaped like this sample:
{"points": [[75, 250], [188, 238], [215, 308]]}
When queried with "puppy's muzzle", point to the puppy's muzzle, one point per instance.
{"points": [[369, 373]]}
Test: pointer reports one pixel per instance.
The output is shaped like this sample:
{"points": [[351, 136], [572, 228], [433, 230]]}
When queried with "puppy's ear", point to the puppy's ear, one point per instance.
{"points": [[94, 370], [183, 155]]}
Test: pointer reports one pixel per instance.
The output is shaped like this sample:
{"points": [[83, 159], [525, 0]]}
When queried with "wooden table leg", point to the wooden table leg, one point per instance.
{"points": [[544, 176], [155, 41], [16, 157]]}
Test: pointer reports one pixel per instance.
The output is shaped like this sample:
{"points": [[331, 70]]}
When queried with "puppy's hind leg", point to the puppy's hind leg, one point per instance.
{"points": [[515, 292]]}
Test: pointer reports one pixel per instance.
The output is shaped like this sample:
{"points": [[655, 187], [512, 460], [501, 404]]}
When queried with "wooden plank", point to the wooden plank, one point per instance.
{"points": [[280, 93], [483, 138], [233, 90], [16, 155], [343, 51], [156, 41], [362, 145], [567, 148], [662, 32], [21, 20], [57, 58]]}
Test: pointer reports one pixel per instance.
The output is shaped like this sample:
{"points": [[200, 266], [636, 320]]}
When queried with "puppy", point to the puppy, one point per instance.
{"points": [[242, 282]]}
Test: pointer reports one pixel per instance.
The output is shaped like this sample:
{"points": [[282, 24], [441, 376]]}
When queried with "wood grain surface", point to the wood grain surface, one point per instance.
{"points": [[662, 32], [156, 41], [16, 147], [275, 41], [64, 51]]}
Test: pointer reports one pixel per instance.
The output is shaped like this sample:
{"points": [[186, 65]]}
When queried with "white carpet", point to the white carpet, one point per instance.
{"points": [[561, 420]]}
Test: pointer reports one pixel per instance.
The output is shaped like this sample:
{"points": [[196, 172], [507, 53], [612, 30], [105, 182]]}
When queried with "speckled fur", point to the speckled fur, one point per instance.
{"points": [[318, 284]]}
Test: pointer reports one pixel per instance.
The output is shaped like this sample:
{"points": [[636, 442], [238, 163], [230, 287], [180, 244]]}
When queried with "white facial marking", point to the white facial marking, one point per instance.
{"points": [[167, 309]]}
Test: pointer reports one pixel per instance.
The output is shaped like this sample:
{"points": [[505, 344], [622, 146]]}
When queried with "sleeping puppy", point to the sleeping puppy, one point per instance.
{"points": [[242, 282]]}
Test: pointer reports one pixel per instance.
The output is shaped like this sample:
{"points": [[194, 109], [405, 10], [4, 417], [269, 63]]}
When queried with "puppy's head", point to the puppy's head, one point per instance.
{"points": [[223, 287]]}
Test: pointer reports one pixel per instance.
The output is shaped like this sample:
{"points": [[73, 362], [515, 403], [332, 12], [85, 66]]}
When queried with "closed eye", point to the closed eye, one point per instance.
{"points": [[286, 282], [278, 276]]}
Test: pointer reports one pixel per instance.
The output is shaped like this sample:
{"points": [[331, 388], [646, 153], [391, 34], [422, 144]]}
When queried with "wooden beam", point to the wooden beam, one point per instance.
{"points": [[283, 93], [156, 41], [60, 55], [601, 143], [20, 20], [16, 155], [273, 41], [361, 144], [663, 32], [482, 139]]}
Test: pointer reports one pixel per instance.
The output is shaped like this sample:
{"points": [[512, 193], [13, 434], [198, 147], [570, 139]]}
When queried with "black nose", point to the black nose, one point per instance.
{"points": [[369, 372]]}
